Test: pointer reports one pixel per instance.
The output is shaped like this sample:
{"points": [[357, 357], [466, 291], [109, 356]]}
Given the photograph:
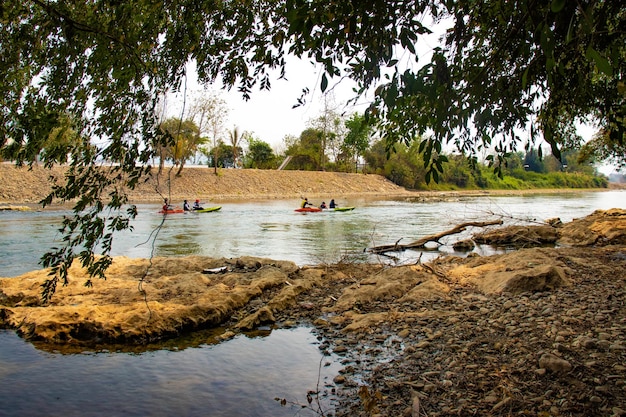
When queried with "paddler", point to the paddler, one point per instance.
{"points": [[197, 206], [305, 203]]}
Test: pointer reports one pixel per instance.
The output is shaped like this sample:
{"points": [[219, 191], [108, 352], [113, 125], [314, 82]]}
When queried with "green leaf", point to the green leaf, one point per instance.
{"points": [[557, 5], [324, 83], [525, 78], [602, 63]]}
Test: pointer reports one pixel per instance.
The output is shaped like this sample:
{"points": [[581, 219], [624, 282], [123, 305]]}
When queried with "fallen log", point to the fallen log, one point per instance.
{"points": [[420, 243]]}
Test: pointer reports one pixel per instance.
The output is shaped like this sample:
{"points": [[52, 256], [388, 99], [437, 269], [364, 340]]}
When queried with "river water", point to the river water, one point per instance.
{"points": [[240, 377], [272, 229]]}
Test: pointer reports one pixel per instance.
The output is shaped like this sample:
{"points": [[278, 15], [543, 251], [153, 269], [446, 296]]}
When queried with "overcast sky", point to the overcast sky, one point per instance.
{"points": [[270, 115]]}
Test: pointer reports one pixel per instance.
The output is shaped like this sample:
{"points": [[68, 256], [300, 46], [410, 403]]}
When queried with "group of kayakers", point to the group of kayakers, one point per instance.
{"points": [[196, 205], [186, 207], [331, 205]]}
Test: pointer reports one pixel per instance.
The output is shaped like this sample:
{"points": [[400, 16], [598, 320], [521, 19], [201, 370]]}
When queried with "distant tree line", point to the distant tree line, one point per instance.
{"points": [[335, 143]]}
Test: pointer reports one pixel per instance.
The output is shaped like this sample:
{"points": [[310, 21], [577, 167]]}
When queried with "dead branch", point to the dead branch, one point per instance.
{"points": [[396, 247]]}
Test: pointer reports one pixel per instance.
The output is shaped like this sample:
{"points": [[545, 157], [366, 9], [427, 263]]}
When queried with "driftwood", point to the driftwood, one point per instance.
{"points": [[419, 244]]}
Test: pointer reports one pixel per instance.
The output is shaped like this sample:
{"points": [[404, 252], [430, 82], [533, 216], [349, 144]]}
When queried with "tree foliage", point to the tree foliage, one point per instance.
{"points": [[357, 139], [223, 155], [306, 152], [104, 66], [260, 155], [522, 170], [602, 148], [509, 67], [235, 138], [185, 141]]}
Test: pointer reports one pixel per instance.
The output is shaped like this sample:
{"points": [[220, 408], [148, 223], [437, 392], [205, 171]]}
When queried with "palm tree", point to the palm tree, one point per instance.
{"points": [[235, 137]]}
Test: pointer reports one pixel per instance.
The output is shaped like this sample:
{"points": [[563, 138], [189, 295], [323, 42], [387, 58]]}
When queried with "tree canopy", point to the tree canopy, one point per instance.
{"points": [[260, 154], [505, 67]]}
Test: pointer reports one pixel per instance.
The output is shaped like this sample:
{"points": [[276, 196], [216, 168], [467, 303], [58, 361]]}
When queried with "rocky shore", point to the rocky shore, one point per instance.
{"points": [[537, 331]]}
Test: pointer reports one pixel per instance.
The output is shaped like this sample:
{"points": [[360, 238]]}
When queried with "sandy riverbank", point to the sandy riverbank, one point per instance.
{"points": [[24, 186]]}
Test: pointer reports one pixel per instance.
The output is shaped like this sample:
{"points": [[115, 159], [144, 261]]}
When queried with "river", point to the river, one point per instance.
{"points": [[194, 376]]}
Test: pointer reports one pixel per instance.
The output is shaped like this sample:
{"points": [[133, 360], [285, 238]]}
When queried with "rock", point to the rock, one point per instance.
{"points": [[554, 363], [339, 379], [491, 398], [340, 349], [262, 316], [227, 335], [602, 227], [501, 404], [586, 342], [464, 245], [554, 222], [321, 323], [618, 411], [526, 236], [404, 333]]}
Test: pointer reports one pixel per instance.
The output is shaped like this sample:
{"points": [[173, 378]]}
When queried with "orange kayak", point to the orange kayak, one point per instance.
{"points": [[308, 210], [172, 211]]}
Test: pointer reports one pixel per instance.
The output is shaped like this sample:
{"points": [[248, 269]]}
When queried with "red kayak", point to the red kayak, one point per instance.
{"points": [[308, 210], [172, 211]]}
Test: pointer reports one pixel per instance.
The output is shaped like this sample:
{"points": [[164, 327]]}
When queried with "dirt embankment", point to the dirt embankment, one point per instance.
{"points": [[537, 331], [23, 185]]}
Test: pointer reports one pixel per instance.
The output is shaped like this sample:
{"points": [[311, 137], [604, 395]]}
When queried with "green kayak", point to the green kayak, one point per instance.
{"points": [[208, 209], [343, 208]]}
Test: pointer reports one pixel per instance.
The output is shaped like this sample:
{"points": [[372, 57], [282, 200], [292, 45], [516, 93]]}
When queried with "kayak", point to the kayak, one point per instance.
{"points": [[171, 211], [208, 209], [343, 208], [308, 210]]}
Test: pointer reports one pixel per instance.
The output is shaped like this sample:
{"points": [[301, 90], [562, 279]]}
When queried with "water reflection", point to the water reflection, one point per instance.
{"points": [[208, 380]]}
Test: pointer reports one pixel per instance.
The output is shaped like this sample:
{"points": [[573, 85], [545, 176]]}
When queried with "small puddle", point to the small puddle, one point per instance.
{"points": [[243, 376]]}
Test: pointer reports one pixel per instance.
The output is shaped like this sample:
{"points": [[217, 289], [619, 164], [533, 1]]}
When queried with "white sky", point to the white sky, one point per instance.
{"points": [[269, 115]]}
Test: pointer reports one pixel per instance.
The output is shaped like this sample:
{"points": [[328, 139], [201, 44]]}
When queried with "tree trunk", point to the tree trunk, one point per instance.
{"points": [[180, 169]]}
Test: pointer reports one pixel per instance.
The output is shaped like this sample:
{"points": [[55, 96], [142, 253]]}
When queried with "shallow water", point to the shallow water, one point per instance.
{"points": [[240, 377], [272, 229]]}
